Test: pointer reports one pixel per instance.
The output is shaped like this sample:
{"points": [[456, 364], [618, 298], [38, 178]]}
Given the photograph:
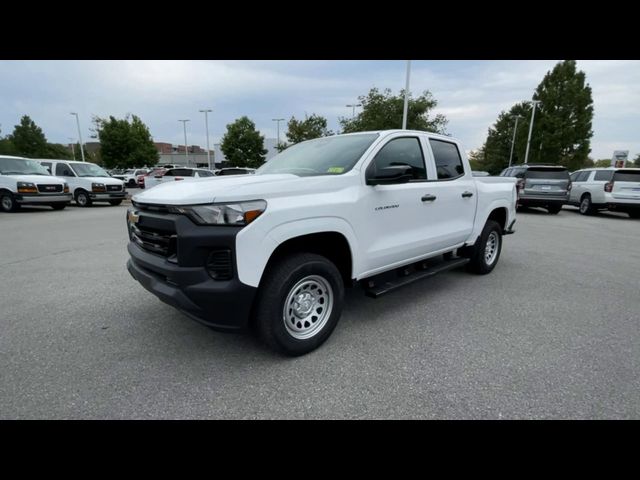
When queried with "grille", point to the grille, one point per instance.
{"points": [[49, 188], [114, 188], [155, 241], [219, 265], [151, 208]]}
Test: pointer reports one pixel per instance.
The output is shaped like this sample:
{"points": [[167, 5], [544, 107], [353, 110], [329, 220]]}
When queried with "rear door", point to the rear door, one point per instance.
{"points": [[626, 185], [546, 182], [578, 185]]}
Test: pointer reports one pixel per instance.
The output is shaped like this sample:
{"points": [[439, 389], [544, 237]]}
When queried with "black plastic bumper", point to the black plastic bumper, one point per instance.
{"points": [[542, 202], [183, 281]]}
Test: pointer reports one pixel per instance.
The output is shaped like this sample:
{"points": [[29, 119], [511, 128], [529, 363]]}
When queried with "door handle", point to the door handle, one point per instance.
{"points": [[467, 194], [428, 198]]}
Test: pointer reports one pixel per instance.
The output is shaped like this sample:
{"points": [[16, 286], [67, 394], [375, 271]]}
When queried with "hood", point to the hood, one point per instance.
{"points": [[234, 188], [41, 179]]}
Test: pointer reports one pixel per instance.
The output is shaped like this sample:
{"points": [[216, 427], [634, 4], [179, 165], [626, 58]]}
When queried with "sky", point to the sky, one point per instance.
{"points": [[470, 93]]}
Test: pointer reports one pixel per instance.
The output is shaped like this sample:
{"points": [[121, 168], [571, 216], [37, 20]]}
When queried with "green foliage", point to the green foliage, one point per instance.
{"points": [[562, 124], [602, 163], [383, 111], [566, 115], [59, 151], [637, 160], [311, 127], [28, 140], [242, 144], [125, 143], [6, 146]]}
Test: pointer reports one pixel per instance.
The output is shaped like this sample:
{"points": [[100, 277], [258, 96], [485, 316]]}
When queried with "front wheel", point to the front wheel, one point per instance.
{"points": [[299, 304], [115, 203], [486, 251], [586, 207], [82, 199], [8, 203], [132, 183]]}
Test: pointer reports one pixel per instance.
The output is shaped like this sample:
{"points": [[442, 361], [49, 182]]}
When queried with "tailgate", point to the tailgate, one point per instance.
{"points": [[626, 185], [546, 181]]}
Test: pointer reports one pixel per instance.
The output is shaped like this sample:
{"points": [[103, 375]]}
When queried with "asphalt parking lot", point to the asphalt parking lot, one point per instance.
{"points": [[553, 332]]}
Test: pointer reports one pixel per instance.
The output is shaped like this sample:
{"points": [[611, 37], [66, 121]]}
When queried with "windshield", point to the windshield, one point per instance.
{"points": [[322, 156], [19, 166], [88, 170]]}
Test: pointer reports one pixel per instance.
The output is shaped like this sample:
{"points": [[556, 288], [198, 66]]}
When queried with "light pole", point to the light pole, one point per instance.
{"points": [[533, 114], [73, 150], [513, 140], [79, 134], [206, 126], [186, 149], [278, 120], [406, 97], [353, 108]]}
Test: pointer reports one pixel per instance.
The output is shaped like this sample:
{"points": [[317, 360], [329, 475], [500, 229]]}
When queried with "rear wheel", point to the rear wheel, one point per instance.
{"points": [[486, 251], [586, 207], [82, 199], [299, 304], [8, 203], [132, 183], [59, 205], [115, 203], [554, 209]]}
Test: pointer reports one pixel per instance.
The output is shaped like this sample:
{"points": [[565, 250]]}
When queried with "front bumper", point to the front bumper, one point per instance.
{"points": [[183, 282], [40, 199], [107, 196]]}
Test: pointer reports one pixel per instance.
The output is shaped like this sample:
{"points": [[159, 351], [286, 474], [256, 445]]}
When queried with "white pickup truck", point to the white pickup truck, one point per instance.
{"points": [[275, 250]]}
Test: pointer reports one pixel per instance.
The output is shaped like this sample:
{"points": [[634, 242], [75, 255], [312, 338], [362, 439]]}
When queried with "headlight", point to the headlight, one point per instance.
{"points": [[27, 187], [241, 213], [98, 187], [66, 188]]}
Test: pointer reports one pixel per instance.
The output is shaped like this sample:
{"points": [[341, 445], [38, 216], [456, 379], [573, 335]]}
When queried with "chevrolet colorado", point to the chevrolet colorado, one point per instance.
{"points": [[275, 250]]}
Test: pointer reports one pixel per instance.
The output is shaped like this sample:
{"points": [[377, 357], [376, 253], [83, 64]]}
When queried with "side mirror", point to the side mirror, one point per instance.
{"points": [[390, 175]]}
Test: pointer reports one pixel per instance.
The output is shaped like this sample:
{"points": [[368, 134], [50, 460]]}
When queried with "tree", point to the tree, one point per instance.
{"points": [[383, 111], [602, 163], [125, 143], [242, 144], [563, 124], [6, 146], [637, 160], [28, 140], [311, 127], [59, 151]]}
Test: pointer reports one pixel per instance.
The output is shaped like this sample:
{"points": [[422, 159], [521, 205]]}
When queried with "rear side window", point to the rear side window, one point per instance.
{"points": [[574, 176], [518, 172], [603, 175], [447, 158], [627, 176], [402, 151], [63, 170], [179, 172], [506, 172], [553, 174], [205, 173]]}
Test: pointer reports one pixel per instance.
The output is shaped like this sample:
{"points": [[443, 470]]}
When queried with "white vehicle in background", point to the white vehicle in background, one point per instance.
{"points": [[614, 189], [130, 177], [26, 182], [177, 174], [88, 182]]}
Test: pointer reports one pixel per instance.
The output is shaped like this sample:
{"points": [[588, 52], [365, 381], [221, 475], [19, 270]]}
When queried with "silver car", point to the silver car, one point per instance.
{"points": [[546, 186]]}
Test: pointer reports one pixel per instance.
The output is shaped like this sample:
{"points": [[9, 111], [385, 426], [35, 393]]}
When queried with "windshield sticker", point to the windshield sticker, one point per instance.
{"points": [[335, 170]]}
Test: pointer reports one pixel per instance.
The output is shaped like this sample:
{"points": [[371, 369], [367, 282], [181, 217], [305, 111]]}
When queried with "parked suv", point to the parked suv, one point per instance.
{"points": [[130, 177], [546, 186], [177, 174], [616, 189], [88, 182], [25, 182]]}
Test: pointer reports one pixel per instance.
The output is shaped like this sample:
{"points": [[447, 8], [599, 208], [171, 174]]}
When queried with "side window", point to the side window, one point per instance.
{"points": [[507, 172], [518, 172], [63, 170], [47, 165], [574, 176], [447, 157], [402, 151], [205, 173], [583, 176], [603, 175]]}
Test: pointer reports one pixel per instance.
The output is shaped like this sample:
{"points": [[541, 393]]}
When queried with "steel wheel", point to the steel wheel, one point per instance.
{"points": [[308, 307], [585, 205], [7, 203], [82, 199], [491, 248]]}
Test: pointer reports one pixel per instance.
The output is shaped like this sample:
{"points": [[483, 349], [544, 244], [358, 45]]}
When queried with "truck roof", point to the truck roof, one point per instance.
{"points": [[399, 130]]}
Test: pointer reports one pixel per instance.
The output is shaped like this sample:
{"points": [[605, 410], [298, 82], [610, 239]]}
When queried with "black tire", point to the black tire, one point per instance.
{"points": [[586, 207], [132, 183], [554, 209], [479, 263], [8, 203], [634, 213], [115, 203], [59, 205], [269, 315], [82, 199]]}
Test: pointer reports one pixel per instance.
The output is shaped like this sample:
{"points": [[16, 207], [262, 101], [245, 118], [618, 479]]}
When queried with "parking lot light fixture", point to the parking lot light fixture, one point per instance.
{"points": [[513, 140], [533, 114], [186, 149], [278, 120], [406, 97], [206, 126], [353, 108], [79, 134]]}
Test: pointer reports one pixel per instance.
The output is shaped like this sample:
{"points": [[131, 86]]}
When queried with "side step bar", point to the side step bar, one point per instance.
{"points": [[391, 285]]}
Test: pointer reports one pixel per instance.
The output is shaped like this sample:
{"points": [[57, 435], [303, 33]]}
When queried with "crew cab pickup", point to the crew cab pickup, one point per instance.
{"points": [[275, 250], [24, 182]]}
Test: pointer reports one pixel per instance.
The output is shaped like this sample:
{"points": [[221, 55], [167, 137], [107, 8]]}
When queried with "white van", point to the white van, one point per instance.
{"points": [[88, 182], [25, 182]]}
